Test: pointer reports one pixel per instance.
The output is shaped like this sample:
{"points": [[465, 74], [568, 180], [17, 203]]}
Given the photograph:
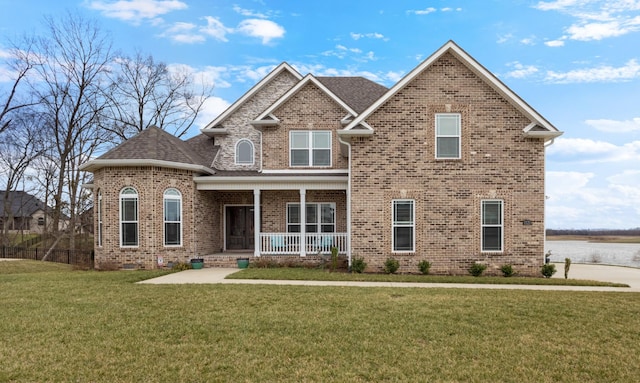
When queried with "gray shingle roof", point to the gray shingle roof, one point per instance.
{"points": [[155, 144], [23, 204], [357, 92]]}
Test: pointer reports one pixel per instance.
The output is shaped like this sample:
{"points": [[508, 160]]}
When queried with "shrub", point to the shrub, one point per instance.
{"points": [[424, 267], [391, 265], [358, 265], [507, 270], [548, 270], [477, 269], [179, 266], [567, 265]]}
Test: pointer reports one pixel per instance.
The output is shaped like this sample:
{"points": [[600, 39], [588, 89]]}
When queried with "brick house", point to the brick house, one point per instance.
{"points": [[446, 166]]}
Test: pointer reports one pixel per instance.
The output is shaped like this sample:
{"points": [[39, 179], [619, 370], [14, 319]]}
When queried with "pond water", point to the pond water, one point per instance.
{"points": [[620, 254]]}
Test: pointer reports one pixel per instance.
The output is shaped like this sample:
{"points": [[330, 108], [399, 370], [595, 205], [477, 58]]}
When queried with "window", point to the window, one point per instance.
{"points": [[172, 217], [312, 148], [99, 218], [128, 217], [40, 221], [321, 217], [492, 225], [404, 225], [448, 135], [244, 152]]}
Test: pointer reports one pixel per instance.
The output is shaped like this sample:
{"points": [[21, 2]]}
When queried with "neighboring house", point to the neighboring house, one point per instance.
{"points": [[446, 166], [23, 212]]}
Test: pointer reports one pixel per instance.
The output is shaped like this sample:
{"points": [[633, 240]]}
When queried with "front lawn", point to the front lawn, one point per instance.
{"points": [[84, 326], [299, 273]]}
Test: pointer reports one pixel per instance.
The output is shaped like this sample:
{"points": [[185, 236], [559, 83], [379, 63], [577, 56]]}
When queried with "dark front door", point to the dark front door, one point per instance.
{"points": [[240, 228]]}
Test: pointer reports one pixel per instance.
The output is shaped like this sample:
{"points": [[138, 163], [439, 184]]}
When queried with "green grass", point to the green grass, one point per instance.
{"points": [[292, 273], [63, 326]]}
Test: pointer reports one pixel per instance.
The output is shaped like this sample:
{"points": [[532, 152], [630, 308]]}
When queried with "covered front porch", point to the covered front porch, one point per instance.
{"points": [[272, 224]]}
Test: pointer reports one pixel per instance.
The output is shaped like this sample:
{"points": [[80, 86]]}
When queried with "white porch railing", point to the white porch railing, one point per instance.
{"points": [[289, 243]]}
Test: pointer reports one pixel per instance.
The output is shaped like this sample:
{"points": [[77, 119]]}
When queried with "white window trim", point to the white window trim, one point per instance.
{"points": [[137, 221], [164, 221], [501, 225], [253, 156], [395, 224], [319, 216], [459, 136], [310, 149], [99, 218]]}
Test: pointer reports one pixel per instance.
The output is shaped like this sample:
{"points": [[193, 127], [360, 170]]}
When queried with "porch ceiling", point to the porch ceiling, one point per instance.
{"points": [[273, 182]]}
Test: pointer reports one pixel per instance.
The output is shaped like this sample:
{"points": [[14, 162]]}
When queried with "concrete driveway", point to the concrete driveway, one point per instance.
{"points": [[616, 274]]}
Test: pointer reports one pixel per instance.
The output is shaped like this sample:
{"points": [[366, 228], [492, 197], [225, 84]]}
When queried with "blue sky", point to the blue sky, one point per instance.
{"points": [[577, 62]]}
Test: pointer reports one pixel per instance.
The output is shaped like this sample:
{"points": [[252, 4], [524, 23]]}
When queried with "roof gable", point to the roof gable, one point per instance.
{"points": [[544, 128], [266, 117], [236, 105], [21, 204]]}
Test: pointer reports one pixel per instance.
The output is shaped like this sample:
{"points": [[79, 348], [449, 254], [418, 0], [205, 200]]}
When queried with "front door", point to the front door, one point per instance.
{"points": [[240, 235]]}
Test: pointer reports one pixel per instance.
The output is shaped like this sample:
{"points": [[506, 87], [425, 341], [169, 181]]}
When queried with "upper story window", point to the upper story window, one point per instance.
{"points": [[492, 225], [448, 134], [172, 217], [244, 152], [128, 217], [310, 148]]}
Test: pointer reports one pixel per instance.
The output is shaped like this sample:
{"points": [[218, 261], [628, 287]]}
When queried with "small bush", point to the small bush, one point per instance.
{"points": [[477, 269], [424, 267], [179, 266], [507, 270], [358, 265], [391, 265], [567, 265], [548, 270]]}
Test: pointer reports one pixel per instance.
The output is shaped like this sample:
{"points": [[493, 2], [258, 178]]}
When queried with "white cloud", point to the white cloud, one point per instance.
{"points": [[614, 126], [267, 30], [215, 29], [587, 151], [606, 73], [521, 71], [425, 11], [394, 76], [249, 12], [597, 19], [561, 183], [374, 35], [135, 11], [554, 43], [183, 33], [211, 109], [504, 38]]}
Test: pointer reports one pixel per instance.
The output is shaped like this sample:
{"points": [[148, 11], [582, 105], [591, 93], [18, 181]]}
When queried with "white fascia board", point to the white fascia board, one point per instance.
{"points": [[97, 164], [272, 183], [277, 70], [271, 121], [355, 133], [212, 132], [308, 78], [87, 186], [481, 71], [305, 171], [542, 134]]}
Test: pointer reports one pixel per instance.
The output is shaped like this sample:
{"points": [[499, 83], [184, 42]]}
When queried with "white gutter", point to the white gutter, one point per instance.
{"points": [[348, 202]]}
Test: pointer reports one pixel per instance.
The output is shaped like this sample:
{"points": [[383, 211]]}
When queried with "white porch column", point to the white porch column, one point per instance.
{"points": [[256, 223], [303, 222]]}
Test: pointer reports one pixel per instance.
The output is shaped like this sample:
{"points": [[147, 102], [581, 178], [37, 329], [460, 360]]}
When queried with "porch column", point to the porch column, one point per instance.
{"points": [[256, 223], [303, 222]]}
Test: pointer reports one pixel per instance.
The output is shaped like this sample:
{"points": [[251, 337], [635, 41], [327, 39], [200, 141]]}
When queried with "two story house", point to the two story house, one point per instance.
{"points": [[446, 166]]}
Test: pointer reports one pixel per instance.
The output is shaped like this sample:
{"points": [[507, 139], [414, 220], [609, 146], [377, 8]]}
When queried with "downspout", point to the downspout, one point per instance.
{"points": [[348, 202], [544, 194], [261, 151]]}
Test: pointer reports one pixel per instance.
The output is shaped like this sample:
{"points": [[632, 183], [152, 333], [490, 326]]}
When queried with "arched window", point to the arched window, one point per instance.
{"points": [[128, 217], [172, 217], [99, 214], [244, 152]]}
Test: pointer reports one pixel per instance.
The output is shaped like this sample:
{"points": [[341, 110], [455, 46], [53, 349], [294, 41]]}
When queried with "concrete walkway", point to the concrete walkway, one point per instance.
{"points": [[616, 274]]}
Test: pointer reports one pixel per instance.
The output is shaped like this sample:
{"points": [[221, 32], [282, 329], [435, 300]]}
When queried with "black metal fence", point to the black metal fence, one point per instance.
{"points": [[82, 258]]}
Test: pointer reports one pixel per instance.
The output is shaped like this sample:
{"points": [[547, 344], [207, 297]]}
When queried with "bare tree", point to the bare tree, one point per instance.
{"points": [[19, 147], [18, 64], [73, 60], [147, 93]]}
